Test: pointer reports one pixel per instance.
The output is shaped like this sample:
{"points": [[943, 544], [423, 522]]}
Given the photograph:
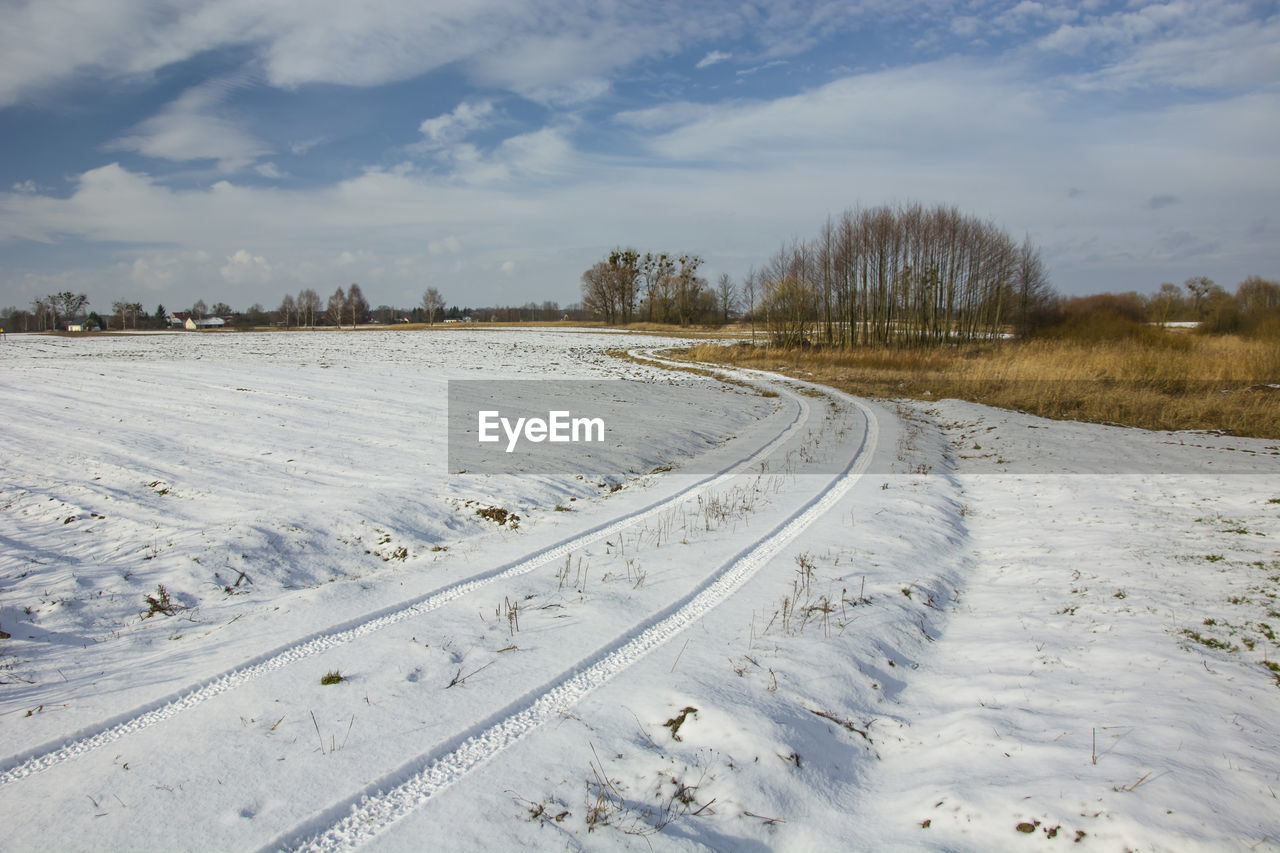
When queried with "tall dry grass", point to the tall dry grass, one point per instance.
{"points": [[1161, 380]]}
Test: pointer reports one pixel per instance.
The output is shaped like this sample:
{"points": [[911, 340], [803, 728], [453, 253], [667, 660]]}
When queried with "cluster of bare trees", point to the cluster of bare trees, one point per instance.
{"points": [[660, 288], [344, 306], [49, 312], [906, 275], [1200, 299]]}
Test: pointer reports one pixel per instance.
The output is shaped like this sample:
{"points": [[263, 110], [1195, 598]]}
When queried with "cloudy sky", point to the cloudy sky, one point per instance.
{"points": [[236, 150]]}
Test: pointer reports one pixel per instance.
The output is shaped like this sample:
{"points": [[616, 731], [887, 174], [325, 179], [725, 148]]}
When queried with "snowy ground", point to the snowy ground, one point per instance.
{"points": [[858, 626]]}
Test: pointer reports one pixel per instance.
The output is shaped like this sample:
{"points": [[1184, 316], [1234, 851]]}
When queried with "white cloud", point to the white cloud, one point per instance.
{"points": [[454, 126], [933, 107], [546, 48], [303, 146], [448, 245], [1229, 58], [191, 128], [246, 268], [270, 170], [665, 116], [712, 58], [1197, 45], [773, 63]]}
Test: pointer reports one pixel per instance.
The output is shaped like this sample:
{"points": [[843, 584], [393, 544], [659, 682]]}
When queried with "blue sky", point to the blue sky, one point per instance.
{"points": [[235, 151]]}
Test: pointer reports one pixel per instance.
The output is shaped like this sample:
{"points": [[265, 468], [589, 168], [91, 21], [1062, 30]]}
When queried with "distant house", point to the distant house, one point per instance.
{"points": [[80, 326], [191, 324]]}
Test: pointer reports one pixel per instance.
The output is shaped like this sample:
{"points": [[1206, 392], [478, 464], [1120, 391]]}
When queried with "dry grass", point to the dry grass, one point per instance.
{"points": [[1159, 381]]}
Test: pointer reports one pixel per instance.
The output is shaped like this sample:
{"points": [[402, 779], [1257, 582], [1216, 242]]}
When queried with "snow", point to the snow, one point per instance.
{"points": [[900, 625]]}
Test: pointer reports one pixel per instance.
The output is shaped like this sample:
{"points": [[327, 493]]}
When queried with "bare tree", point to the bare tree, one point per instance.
{"points": [[357, 305], [288, 310], [624, 278], [1199, 287], [337, 304], [432, 304], [66, 305], [308, 304], [656, 272], [199, 309], [1035, 296], [599, 296], [43, 314], [1255, 295], [726, 295], [750, 287]]}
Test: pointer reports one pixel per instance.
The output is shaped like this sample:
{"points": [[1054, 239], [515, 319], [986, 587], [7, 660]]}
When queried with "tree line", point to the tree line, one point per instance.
{"points": [[1253, 307], [345, 307], [904, 276], [655, 287]]}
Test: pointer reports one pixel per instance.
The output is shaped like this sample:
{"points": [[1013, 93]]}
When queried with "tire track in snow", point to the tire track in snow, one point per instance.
{"points": [[94, 737], [359, 819]]}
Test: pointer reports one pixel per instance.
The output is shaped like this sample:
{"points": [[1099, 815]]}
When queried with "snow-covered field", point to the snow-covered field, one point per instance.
{"points": [[833, 624]]}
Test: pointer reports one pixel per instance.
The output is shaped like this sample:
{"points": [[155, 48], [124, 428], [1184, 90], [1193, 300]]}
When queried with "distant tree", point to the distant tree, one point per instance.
{"points": [[624, 279], [308, 305], [688, 288], [44, 315], [750, 287], [726, 296], [67, 305], [1167, 305], [598, 295], [337, 305], [1255, 294], [288, 311], [1035, 296], [221, 309], [93, 321], [127, 313], [254, 315], [655, 275], [161, 316], [789, 308], [432, 304], [1198, 288], [357, 305], [15, 319], [199, 309]]}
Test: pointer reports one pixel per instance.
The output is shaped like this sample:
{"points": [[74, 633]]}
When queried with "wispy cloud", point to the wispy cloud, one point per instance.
{"points": [[194, 128], [712, 58], [454, 126]]}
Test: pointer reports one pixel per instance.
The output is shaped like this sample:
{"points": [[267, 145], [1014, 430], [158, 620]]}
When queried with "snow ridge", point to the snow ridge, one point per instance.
{"points": [[394, 797], [94, 737]]}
